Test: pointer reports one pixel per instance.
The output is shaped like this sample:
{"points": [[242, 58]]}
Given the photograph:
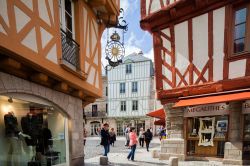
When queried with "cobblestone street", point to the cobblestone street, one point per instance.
{"points": [[118, 154], [93, 148]]}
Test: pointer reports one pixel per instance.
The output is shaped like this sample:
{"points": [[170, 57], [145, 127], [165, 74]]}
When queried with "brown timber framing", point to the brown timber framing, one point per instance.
{"points": [[210, 46], [185, 10], [190, 51], [158, 60], [172, 36]]}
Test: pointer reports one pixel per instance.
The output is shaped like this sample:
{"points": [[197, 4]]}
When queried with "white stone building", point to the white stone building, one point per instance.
{"points": [[129, 88]]}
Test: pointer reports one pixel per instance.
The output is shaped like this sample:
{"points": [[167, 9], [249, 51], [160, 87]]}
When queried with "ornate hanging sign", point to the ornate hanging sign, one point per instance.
{"points": [[115, 50]]}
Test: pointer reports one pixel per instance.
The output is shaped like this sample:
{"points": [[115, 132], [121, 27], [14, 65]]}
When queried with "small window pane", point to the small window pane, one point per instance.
{"points": [[239, 45], [240, 31], [68, 6], [240, 16]]}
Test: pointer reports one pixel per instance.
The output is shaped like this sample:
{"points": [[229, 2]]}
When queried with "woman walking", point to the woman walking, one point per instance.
{"points": [[141, 137], [132, 143], [112, 137], [148, 137]]}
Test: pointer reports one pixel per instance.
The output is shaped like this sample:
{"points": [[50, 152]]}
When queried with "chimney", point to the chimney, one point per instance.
{"points": [[140, 53]]}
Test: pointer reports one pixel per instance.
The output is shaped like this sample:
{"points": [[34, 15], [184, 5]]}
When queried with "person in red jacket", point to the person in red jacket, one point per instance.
{"points": [[132, 143]]}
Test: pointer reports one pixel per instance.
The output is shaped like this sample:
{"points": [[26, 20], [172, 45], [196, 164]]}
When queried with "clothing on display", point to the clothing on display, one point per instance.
{"points": [[10, 121], [32, 126]]}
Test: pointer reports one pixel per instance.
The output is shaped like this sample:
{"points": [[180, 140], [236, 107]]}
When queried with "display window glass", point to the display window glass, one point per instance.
{"points": [[246, 137], [206, 136], [31, 134]]}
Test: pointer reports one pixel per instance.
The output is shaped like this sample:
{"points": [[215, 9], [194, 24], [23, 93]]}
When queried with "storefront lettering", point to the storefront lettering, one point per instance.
{"points": [[207, 110], [246, 107]]}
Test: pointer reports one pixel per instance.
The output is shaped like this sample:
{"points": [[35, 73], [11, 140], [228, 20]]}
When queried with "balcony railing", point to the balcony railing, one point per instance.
{"points": [[70, 51], [96, 114]]}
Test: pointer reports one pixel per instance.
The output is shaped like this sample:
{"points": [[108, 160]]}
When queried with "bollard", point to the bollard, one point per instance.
{"points": [[173, 161], [103, 160]]}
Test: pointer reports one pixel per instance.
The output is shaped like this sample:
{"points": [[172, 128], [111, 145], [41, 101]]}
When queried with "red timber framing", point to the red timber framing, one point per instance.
{"points": [[178, 12]]}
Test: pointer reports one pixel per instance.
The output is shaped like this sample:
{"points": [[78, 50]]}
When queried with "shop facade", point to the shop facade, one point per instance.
{"points": [[38, 123], [214, 131]]}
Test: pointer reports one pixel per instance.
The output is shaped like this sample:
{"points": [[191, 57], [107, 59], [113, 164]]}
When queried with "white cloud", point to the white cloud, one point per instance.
{"points": [[129, 6], [150, 54]]}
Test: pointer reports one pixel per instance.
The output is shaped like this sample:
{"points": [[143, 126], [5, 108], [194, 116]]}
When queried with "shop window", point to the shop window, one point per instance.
{"points": [[240, 30], [95, 128], [246, 137], [31, 131], [207, 135], [120, 131]]}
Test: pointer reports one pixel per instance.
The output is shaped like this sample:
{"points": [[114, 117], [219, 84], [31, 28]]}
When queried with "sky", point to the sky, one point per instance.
{"points": [[135, 38]]}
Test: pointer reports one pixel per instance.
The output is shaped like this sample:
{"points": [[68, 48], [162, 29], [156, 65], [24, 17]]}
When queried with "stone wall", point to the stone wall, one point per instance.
{"points": [[233, 148], [174, 145], [71, 106], [174, 121]]}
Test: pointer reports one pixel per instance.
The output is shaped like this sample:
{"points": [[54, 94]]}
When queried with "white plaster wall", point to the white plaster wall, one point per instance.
{"points": [[140, 74], [181, 47], [218, 43], [237, 69], [156, 5], [167, 73], [200, 41]]}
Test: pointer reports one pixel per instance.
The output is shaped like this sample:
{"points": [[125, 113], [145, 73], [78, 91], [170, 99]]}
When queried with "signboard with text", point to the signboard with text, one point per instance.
{"points": [[207, 110], [246, 107]]}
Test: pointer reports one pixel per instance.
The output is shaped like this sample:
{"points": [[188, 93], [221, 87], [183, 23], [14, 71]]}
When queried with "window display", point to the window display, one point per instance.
{"points": [[246, 137], [206, 132], [31, 133], [206, 136]]}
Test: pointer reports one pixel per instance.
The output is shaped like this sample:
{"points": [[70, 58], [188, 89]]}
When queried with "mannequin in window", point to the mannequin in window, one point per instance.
{"points": [[12, 133], [31, 126]]}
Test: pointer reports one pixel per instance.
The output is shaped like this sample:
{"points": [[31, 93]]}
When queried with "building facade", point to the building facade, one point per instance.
{"points": [[50, 68], [202, 69], [96, 114], [129, 93]]}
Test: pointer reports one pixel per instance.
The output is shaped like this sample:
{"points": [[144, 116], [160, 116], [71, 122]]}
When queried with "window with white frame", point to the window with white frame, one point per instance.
{"points": [[67, 17], [122, 87], [134, 105], [128, 68], [123, 105], [134, 86]]}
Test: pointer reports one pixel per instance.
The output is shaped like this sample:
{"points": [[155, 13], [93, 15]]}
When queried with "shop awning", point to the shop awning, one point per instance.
{"points": [[213, 99], [160, 113], [160, 122]]}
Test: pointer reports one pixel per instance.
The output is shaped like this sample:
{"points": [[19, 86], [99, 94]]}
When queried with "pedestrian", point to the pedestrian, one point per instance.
{"points": [[141, 137], [112, 137], [105, 138], [163, 134], [127, 130], [84, 136], [132, 143], [148, 137]]}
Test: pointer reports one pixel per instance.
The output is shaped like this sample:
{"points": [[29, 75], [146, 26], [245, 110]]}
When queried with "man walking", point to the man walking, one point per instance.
{"points": [[105, 138]]}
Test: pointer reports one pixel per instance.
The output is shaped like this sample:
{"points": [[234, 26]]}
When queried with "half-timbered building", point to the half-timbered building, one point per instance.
{"points": [[202, 69], [50, 68]]}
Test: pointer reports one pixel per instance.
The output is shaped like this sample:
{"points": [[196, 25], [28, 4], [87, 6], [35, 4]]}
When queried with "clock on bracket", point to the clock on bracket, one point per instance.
{"points": [[114, 50]]}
